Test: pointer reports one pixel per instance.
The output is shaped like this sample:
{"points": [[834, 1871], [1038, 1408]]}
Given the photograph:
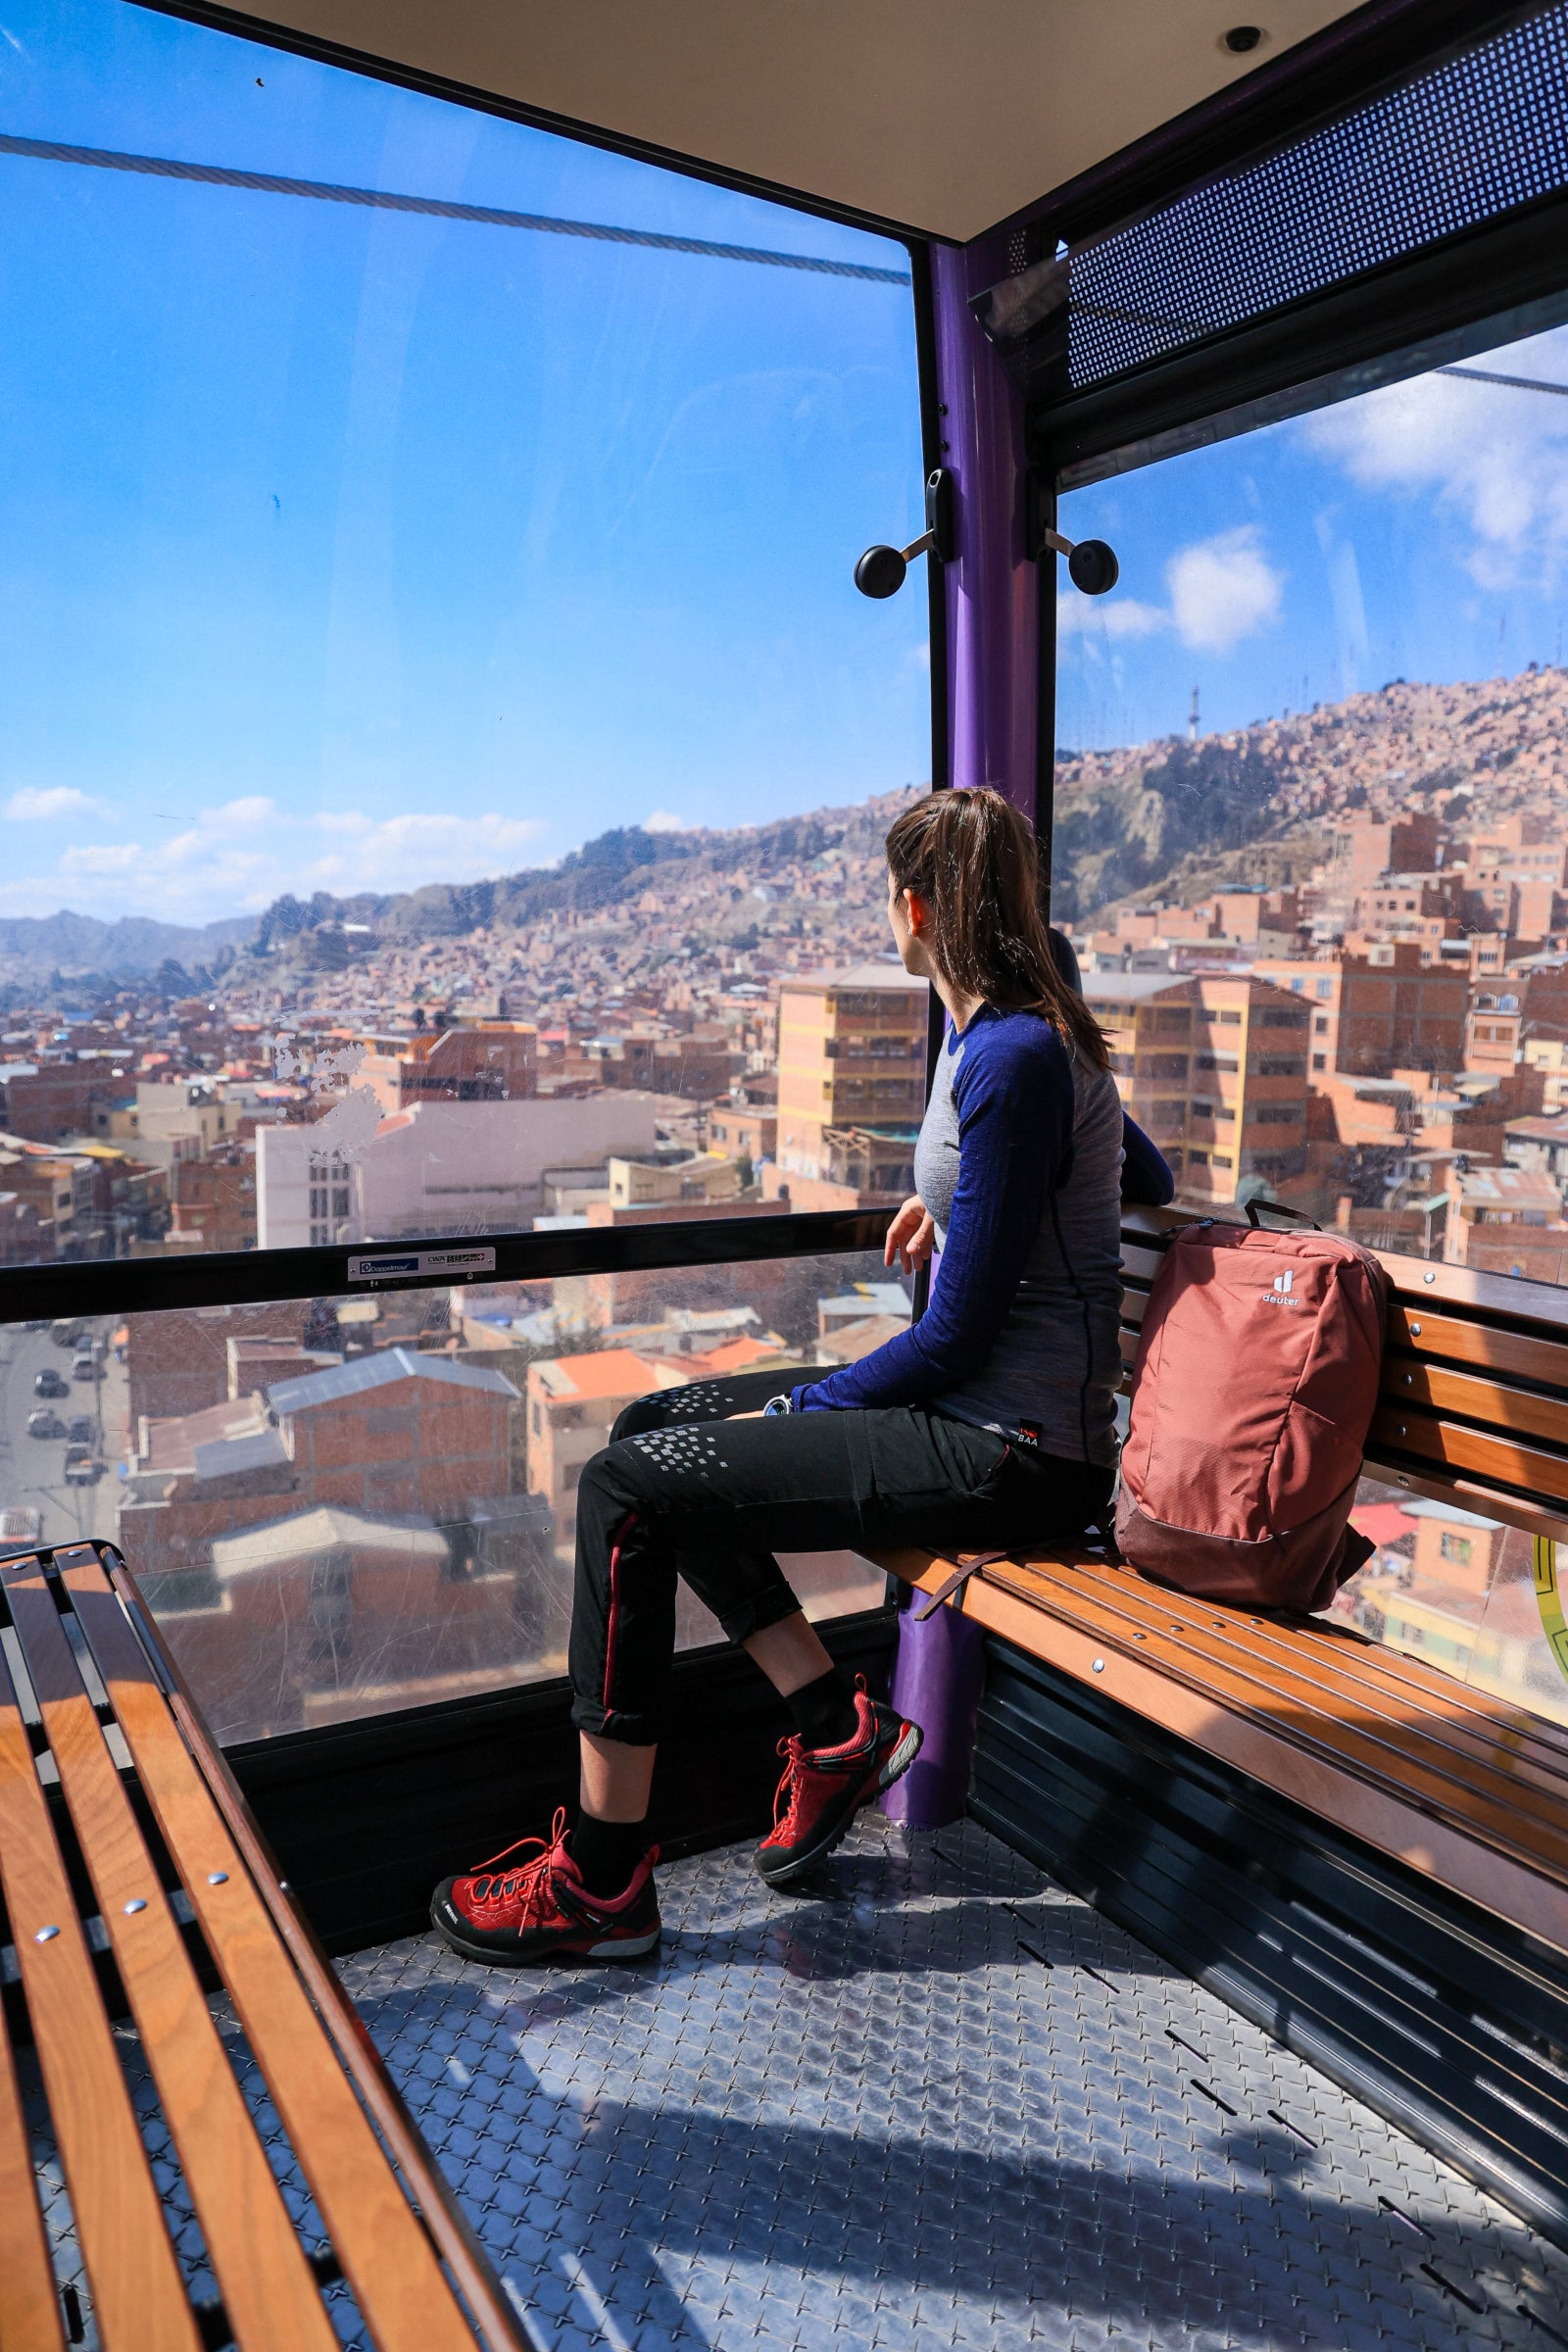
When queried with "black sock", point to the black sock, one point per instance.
{"points": [[607, 1852], [824, 1711]]}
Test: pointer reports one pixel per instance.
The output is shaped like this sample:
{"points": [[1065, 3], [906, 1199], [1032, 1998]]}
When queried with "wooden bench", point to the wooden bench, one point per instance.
{"points": [[1459, 1783], [107, 1710]]}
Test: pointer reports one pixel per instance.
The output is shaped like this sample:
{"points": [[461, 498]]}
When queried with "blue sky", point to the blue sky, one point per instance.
{"points": [[348, 548], [1419, 531], [345, 548]]}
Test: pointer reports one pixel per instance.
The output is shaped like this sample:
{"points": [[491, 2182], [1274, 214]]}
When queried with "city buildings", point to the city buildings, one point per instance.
{"points": [[1213, 1067], [573, 1403], [440, 1167], [852, 1049], [477, 1061]]}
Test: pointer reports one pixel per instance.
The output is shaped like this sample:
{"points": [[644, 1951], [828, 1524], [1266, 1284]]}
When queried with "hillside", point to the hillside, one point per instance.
{"points": [[1170, 820], [35, 948], [1175, 820]]}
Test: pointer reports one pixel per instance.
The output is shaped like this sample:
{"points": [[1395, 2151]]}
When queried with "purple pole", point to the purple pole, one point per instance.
{"points": [[992, 738], [991, 591]]}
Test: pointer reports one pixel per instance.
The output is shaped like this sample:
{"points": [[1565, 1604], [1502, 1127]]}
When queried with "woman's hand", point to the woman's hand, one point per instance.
{"points": [[909, 1235]]}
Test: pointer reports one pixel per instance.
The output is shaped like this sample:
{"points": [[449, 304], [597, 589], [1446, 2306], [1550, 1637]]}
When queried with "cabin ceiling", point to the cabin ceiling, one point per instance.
{"points": [[945, 119]]}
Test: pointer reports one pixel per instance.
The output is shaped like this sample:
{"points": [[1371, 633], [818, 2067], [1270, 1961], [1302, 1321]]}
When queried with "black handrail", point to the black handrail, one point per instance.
{"points": [[247, 1277]]}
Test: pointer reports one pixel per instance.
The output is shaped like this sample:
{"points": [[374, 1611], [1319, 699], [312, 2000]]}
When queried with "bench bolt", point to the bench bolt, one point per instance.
{"points": [[218, 1878], [46, 1935], [137, 1904]]}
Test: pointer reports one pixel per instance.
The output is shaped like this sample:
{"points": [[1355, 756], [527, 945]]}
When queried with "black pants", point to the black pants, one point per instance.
{"points": [[684, 1490]]}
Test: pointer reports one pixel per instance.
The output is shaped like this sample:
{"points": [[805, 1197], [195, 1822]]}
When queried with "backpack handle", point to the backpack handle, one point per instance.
{"points": [[1279, 1209]]}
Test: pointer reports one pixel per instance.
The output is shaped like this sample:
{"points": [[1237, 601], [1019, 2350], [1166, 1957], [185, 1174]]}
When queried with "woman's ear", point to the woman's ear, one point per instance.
{"points": [[914, 908]]}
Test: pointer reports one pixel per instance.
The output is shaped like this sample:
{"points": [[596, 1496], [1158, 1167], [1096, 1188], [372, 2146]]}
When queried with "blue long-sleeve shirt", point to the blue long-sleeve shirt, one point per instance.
{"points": [[1019, 1163], [1145, 1177]]}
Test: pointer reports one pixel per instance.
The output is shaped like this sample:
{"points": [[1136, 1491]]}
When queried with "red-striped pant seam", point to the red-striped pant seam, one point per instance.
{"points": [[622, 1533]]}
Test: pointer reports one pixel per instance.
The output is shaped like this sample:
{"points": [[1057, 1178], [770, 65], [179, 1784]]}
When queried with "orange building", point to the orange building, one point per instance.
{"points": [[478, 1061], [852, 1052], [1372, 1014], [1507, 1221], [1214, 1068], [572, 1402]]}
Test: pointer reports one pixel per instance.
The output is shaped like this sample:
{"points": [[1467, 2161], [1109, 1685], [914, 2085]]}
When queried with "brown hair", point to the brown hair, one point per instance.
{"points": [[976, 863]]}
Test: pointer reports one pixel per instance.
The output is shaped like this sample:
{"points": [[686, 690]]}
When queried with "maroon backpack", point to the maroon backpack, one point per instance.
{"points": [[1253, 1388]]}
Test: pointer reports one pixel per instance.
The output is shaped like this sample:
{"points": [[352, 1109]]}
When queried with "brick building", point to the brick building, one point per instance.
{"points": [[852, 1050], [1375, 1013], [477, 1061], [1213, 1067], [48, 1104], [213, 1203]]}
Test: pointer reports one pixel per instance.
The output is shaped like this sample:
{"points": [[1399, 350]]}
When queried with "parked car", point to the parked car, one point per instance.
{"points": [[50, 1383], [37, 1323], [66, 1331], [84, 1367], [45, 1424], [21, 1529], [79, 1429], [80, 1468]]}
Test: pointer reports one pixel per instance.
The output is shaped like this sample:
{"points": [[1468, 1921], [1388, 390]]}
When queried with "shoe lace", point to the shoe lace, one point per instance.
{"points": [[528, 1880], [786, 1796]]}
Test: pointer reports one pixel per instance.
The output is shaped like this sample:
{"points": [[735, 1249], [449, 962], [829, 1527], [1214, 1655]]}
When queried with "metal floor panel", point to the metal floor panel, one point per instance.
{"points": [[939, 2102]]}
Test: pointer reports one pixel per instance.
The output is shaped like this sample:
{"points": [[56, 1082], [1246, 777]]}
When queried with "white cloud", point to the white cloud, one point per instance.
{"points": [[1221, 590], [39, 805], [1495, 453], [1079, 615], [663, 821], [236, 857]]}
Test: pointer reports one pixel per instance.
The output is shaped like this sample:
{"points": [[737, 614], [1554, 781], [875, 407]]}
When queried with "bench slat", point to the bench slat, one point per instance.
{"points": [[1374, 1808], [1517, 1411], [1502, 1459], [1508, 1353], [383, 2246], [1485, 1750], [1307, 1711], [29, 2303], [138, 2296], [267, 2290], [1479, 1722]]}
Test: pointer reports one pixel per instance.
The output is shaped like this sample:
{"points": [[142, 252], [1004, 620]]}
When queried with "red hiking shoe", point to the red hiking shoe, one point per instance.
{"points": [[824, 1787], [539, 1909]]}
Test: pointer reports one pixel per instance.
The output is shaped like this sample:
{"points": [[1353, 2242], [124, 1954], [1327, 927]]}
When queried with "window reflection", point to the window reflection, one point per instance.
{"points": [[344, 1505], [1465, 1593]]}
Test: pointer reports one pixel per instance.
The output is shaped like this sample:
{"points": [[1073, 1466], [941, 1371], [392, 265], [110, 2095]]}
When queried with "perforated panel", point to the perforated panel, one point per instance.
{"points": [[1459, 147]]}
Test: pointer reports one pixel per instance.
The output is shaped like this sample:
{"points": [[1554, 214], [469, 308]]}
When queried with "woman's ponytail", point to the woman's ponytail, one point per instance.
{"points": [[975, 861]]}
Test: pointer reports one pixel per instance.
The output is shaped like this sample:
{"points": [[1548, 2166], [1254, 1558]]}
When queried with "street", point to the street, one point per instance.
{"points": [[32, 1469]]}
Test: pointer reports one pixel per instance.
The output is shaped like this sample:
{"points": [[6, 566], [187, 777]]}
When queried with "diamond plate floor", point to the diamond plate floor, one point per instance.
{"points": [[941, 2103], [936, 2102]]}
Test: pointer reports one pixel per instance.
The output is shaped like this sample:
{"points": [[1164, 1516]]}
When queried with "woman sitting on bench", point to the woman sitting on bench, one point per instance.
{"points": [[990, 1422]]}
